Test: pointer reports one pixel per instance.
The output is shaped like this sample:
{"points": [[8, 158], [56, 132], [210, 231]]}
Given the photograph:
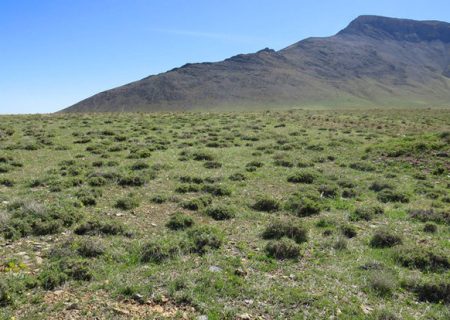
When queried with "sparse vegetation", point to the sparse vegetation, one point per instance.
{"points": [[300, 213]]}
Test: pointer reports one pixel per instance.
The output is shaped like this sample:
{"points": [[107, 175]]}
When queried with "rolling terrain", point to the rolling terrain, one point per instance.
{"points": [[375, 61]]}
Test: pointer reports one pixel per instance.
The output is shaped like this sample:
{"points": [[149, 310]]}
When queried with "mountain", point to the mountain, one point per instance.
{"points": [[374, 61]]}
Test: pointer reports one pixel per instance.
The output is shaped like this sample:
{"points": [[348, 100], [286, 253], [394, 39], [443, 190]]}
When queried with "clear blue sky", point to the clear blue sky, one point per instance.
{"points": [[55, 53]]}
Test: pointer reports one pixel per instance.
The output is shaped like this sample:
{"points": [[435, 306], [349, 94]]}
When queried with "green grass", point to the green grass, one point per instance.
{"points": [[282, 215]]}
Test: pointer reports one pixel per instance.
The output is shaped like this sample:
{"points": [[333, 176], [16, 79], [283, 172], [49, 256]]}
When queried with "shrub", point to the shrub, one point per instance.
{"points": [[179, 221], [384, 239], [97, 181], [383, 283], [217, 190], [76, 269], [188, 179], [340, 244], [5, 294], [196, 204], [158, 199], [91, 248], [96, 227], [283, 248], [237, 177], [212, 165], [131, 181], [388, 195], [186, 188], [52, 277], [283, 163], [349, 231], [204, 238], [159, 251], [349, 193], [202, 156], [386, 315], [378, 186], [430, 215], [438, 292], [302, 177], [422, 259], [366, 213], [32, 218], [328, 191], [254, 164], [6, 182], [430, 227], [362, 166], [127, 203], [221, 212], [325, 223], [303, 206], [140, 165], [278, 229], [266, 204]]}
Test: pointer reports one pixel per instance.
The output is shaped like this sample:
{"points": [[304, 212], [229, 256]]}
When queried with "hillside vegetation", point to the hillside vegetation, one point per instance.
{"points": [[264, 215]]}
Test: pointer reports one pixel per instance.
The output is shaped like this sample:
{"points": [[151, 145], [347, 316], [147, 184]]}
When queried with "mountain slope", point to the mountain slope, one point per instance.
{"points": [[375, 61]]}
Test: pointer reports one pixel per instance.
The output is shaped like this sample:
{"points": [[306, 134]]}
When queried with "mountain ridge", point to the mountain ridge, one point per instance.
{"points": [[374, 61]]}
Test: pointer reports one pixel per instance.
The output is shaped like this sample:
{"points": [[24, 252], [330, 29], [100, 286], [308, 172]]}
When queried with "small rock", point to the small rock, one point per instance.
{"points": [[244, 316], [153, 224]]}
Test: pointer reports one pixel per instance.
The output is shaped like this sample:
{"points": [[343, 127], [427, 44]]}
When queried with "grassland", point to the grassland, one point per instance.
{"points": [[266, 215]]}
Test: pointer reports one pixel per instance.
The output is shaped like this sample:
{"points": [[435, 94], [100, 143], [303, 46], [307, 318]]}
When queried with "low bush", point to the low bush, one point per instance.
{"points": [[278, 229], [212, 165], [159, 251], [266, 204], [438, 292], [383, 283], [366, 213], [388, 195], [90, 248], [32, 218], [131, 181], [139, 165], [196, 204], [349, 231], [303, 206], [302, 177], [205, 238], [187, 187], [221, 212], [430, 215], [422, 259], [98, 227], [384, 239], [127, 203], [328, 191], [5, 294], [217, 190], [362, 166], [430, 227], [158, 199], [179, 221], [378, 186], [340, 244], [237, 177], [283, 248]]}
